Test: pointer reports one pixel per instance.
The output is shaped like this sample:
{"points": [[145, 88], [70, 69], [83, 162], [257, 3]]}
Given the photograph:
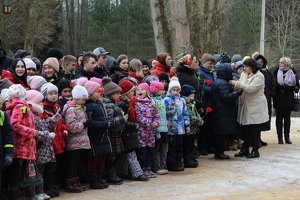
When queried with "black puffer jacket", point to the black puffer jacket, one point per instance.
{"points": [[187, 76], [80, 72], [223, 102], [115, 117]]}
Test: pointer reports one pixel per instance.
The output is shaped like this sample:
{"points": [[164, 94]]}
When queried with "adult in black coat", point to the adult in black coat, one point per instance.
{"points": [[223, 108], [5, 61]]}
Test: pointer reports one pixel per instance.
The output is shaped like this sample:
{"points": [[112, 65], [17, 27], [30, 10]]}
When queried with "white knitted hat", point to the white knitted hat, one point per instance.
{"points": [[174, 83]]}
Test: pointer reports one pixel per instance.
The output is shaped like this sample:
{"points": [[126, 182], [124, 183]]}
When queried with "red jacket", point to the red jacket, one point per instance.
{"points": [[22, 122], [9, 76], [50, 108], [160, 68]]}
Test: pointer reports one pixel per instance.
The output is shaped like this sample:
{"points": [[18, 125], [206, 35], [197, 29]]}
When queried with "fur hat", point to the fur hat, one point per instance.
{"points": [[64, 83], [186, 90], [17, 91], [56, 53], [52, 62], [110, 87], [34, 96], [155, 86], [163, 76], [79, 92], [4, 94], [97, 80], [91, 87], [35, 82], [4, 83], [144, 86], [126, 86], [29, 63], [174, 83], [48, 87]]}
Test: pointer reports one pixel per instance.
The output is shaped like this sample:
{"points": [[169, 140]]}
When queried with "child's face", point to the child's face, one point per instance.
{"points": [[90, 65], [130, 94], [31, 71], [96, 94], [115, 95], [175, 91], [141, 92], [79, 101], [66, 93], [240, 70], [192, 96], [52, 96], [159, 92], [70, 66], [49, 71], [164, 82], [124, 64]]}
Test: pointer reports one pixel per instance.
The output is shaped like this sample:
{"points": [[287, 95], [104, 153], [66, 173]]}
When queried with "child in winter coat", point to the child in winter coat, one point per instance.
{"points": [[22, 122], [77, 139], [64, 92], [45, 153], [178, 124], [6, 154], [97, 125], [188, 93], [128, 160], [117, 123], [148, 120], [161, 139], [51, 108]]}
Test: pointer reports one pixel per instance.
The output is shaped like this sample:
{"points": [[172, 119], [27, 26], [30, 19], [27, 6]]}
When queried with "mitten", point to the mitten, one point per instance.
{"points": [[240, 91], [8, 160], [57, 116], [51, 135]]}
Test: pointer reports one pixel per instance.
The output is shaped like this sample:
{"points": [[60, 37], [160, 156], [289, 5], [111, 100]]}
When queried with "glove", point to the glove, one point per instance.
{"points": [[8, 160], [51, 135], [87, 123], [240, 91], [170, 113], [57, 116]]}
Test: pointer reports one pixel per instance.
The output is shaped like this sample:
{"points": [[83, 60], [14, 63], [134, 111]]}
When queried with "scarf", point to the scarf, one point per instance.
{"points": [[287, 78], [133, 74], [132, 113]]}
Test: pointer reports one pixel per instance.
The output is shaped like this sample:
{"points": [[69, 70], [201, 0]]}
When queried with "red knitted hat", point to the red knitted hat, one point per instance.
{"points": [[126, 86]]}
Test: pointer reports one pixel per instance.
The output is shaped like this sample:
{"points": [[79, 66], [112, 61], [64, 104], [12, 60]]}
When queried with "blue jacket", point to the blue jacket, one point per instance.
{"points": [[209, 75], [180, 120], [6, 140], [162, 113]]}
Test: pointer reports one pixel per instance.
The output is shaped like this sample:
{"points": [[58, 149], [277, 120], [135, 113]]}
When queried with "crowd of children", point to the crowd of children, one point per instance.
{"points": [[131, 129]]}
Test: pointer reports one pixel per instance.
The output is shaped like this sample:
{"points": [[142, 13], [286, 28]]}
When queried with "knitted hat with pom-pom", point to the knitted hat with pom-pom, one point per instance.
{"points": [[110, 87], [174, 83]]}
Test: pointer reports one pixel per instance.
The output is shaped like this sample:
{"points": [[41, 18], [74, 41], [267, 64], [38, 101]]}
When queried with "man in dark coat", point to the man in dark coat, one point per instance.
{"points": [[5, 61], [223, 108]]}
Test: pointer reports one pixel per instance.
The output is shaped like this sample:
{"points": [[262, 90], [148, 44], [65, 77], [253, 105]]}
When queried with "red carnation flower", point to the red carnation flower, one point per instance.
{"points": [[208, 110]]}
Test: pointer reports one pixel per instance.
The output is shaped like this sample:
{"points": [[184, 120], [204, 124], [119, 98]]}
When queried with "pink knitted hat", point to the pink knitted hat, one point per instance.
{"points": [[144, 86], [52, 62], [97, 80], [34, 96], [91, 87], [155, 86], [35, 82]]}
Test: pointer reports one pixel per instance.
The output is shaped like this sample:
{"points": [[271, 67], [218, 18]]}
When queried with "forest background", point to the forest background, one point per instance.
{"points": [[143, 28]]}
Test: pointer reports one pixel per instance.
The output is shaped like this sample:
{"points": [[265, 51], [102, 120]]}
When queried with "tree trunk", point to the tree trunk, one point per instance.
{"points": [[29, 29]]}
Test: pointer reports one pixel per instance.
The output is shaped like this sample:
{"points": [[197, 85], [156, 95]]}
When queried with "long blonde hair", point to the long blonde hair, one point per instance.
{"points": [[136, 66]]}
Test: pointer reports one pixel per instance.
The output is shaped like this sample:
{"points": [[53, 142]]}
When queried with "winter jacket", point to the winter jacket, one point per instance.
{"points": [[97, 125], [160, 68], [115, 117], [195, 119], [130, 127], [160, 105], [147, 114], [80, 72], [54, 80], [5, 61], [22, 122], [254, 108], [117, 73], [7, 74], [284, 94], [45, 152], [75, 116], [207, 77], [61, 102], [6, 140], [224, 102], [180, 119], [187, 76], [50, 109], [100, 72]]}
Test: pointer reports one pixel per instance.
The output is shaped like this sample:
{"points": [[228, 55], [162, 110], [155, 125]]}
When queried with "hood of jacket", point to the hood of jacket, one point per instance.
{"points": [[224, 71], [260, 56]]}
